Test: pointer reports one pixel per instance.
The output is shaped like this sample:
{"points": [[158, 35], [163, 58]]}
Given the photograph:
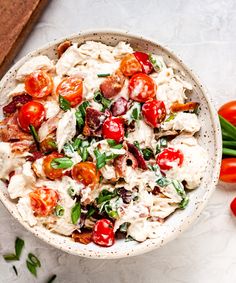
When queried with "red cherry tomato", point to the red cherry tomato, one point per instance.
{"points": [[38, 84], [113, 128], [71, 89], [43, 201], [169, 155], [49, 171], [142, 88], [154, 112], [228, 170], [228, 111], [103, 234], [86, 173], [233, 206], [130, 65], [31, 113], [144, 61]]}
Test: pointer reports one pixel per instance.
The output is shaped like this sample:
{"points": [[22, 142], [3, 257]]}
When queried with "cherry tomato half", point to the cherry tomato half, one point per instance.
{"points": [[43, 201], [86, 173], [169, 155], [71, 89], [129, 65], [103, 234], [228, 170], [31, 113], [233, 206], [228, 111], [113, 128], [144, 61], [154, 112], [49, 171], [38, 84], [142, 87]]}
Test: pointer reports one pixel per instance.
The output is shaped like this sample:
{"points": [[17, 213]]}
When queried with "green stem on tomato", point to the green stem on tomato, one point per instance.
{"points": [[229, 144], [229, 151], [227, 128]]}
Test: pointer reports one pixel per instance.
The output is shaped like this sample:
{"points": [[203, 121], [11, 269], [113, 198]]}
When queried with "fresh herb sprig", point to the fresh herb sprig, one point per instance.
{"points": [[19, 244], [32, 264], [75, 213], [64, 103], [80, 114], [61, 163], [99, 98]]}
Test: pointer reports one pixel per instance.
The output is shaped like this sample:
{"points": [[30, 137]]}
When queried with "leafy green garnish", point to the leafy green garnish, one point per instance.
{"points": [[59, 210], [163, 182], [61, 163], [19, 244], [111, 142], [76, 144], [34, 260], [35, 136], [103, 75], [64, 104], [75, 213], [147, 153], [91, 211], [134, 113], [32, 263], [10, 257], [157, 64], [100, 158], [180, 190], [99, 98], [170, 118], [80, 113], [105, 195]]}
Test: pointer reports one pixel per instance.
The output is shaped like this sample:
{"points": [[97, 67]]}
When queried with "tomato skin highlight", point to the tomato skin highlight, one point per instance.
{"points": [[142, 87], [49, 171], [103, 234], [233, 206], [144, 61], [154, 112], [228, 170], [130, 65], [86, 173], [43, 201], [31, 113], [169, 155], [71, 88], [228, 111], [38, 84], [113, 128]]}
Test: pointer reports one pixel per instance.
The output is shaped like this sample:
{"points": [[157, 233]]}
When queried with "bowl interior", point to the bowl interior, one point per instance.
{"points": [[209, 137]]}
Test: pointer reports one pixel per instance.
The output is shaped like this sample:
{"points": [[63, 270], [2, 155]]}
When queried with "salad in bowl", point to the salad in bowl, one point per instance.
{"points": [[100, 143]]}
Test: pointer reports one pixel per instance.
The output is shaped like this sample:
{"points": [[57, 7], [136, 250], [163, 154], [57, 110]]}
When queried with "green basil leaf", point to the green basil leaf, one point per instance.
{"points": [[59, 210], [100, 158], [10, 257], [111, 142], [35, 136], [99, 98], [135, 111], [64, 104], [103, 75], [51, 279], [105, 196], [118, 146], [80, 113], [61, 163], [75, 213], [31, 267], [19, 244], [34, 260]]}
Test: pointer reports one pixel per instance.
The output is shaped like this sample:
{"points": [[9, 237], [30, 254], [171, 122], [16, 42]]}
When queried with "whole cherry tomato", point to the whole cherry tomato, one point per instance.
{"points": [[31, 113], [38, 84], [144, 61], [154, 112], [113, 128], [142, 87], [43, 201], [130, 65], [233, 206], [228, 170], [49, 171], [86, 173], [71, 88], [103, 233], [228, 111], [168, 156]]}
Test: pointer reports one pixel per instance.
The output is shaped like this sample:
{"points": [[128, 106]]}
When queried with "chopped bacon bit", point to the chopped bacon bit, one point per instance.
{"points": [[17, 101], [138, 155], [189, 106], [93, 122], [85, 237], [112, 85], [35, 155], [121, 162], [62, 47], [119, 107]]}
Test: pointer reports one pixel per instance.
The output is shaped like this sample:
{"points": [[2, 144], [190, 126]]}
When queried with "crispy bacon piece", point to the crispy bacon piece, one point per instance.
{"points": [[138, 155], [112, 85], [35, 155], [93, 122], [121, 162], [62, 47], [119, 107], [17, 101], [189, 106], [10, 130], [85, 237]]}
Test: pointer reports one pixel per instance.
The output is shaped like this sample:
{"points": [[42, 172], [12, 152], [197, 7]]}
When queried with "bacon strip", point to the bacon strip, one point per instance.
{"points": [[62, 47], [85, 237], [137, 154], [112, 85], [93, 122], [189, 106], [17, 101]]}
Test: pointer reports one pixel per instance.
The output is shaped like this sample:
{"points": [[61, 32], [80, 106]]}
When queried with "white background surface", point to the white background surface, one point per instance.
{"points": [[203, 33]]}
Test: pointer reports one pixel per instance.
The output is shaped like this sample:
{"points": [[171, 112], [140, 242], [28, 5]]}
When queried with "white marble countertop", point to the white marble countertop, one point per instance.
{"points": [[203, 33]]}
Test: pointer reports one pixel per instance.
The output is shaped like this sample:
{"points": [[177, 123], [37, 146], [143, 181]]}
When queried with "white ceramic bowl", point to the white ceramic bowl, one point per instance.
{"points": [[209, 137]]}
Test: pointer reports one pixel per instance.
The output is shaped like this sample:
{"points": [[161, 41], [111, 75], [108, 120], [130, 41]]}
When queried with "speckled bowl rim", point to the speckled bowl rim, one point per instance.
{"points": [[151, 244]]}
